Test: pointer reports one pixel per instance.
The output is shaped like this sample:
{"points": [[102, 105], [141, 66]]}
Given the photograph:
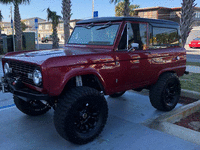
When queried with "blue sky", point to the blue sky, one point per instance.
{"points": [[81, 9]]}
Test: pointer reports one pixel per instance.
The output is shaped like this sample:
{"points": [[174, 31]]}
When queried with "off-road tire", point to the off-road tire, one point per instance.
{"points": [[31, 108], [118, 94], [164, 95], [78, 109]]}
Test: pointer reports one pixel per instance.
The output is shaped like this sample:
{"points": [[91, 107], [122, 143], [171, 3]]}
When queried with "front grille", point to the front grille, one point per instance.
{"points": [[21, 69]]}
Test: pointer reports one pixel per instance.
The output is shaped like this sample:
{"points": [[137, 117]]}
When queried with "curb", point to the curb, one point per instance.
{"points": [[165, 122], [190, 94], [184, 93]]}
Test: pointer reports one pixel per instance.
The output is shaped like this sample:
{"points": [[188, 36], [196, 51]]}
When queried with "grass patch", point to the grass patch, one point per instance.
{"points": [[193, 63], [191, 82]]}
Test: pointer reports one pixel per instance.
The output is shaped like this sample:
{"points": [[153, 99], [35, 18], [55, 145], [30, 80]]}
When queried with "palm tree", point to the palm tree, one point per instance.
{"points": [[187, 18], [126, 6], [1, 18], [119, 9], [66, 11], [17, 20], [51, 15]]}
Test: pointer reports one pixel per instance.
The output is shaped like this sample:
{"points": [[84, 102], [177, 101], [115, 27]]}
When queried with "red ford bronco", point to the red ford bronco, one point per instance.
{"points": [[103, 56]]}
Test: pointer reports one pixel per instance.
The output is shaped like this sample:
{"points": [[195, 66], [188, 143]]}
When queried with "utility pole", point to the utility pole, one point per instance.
{"points": [[92, 8], [12, 29]]}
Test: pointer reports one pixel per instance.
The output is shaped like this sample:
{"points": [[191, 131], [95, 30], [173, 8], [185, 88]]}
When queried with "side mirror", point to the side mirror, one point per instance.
{"points": [[134, 45]]}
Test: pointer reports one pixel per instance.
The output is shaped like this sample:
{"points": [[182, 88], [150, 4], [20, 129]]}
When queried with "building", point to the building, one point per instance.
{"points": [[173, 14], [30, 23], [6, 28], [45, 29]]}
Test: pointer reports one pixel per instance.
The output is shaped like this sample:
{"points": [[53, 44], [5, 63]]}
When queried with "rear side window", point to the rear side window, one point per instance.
{"points": [[163, 37]]}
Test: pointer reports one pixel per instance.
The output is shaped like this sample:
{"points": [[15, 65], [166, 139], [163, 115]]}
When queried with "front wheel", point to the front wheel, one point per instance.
{"points": [[80, 115], [31, 108], [164, 95]]}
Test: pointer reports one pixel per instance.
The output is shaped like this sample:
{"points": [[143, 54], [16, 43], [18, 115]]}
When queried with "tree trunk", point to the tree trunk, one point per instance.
{"points": [[187, 18], [0, 30], [18, 28], [66, 11], [126, 8], [55, 37]]}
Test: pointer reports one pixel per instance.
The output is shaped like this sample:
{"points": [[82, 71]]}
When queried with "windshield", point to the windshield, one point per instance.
{"points": [[94, 34], [197, 39]]}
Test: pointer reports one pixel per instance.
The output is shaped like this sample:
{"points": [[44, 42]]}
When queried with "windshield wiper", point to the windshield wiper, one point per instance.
{"points": [[104, 26], [89, 26]]}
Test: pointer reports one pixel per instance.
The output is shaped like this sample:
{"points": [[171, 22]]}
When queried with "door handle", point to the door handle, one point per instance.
{"points": [[117, 63]]}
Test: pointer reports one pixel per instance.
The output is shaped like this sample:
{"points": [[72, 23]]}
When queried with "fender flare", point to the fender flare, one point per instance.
{"points": [[84, 71]]}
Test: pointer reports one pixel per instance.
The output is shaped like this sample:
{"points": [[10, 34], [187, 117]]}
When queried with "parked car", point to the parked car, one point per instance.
{"points": [[104, 56], [195, 43], [47, 39]]}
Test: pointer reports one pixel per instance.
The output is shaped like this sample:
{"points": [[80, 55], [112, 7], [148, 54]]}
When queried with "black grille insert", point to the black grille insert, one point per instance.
{"points": [[21, 69]]}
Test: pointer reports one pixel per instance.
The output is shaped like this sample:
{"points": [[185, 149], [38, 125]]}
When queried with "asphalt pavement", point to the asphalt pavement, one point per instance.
{"points": [[193, 54], [125, 128]]}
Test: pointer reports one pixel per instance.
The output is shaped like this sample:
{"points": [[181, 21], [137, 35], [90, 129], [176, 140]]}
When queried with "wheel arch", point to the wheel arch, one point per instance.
{"points": [[161, 73], [90, 79], [168, 71]]}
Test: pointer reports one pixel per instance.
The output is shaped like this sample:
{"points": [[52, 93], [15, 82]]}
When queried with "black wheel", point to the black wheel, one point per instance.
{"points": [[118, 94], [164, 95], [31, 108], [46, 41], [80, 115]]}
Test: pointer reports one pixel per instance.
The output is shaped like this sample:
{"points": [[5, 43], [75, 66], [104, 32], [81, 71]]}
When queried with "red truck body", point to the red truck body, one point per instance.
{"points": [[116, 70]]}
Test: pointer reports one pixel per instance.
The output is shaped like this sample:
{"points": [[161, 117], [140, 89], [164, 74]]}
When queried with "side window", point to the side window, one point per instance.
{"points": [[163, 37], [137, 33]]}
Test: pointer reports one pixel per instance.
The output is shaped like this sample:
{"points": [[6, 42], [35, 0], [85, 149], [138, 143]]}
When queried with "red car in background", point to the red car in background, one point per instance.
{"points": [[195, 43]]}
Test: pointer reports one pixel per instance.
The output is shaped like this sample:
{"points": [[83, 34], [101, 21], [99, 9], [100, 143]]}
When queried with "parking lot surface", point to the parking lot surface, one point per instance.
{"points": [[124, 129]]}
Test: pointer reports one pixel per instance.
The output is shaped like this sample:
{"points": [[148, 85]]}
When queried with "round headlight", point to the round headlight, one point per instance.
{"points": [[6, 68], [37, 77]]}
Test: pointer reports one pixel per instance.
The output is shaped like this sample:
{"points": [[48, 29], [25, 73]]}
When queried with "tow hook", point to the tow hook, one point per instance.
{"points": [[3, 85]]}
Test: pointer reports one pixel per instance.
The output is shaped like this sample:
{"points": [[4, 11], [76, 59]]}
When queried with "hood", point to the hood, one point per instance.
{"points": [[40, 56], [195, 41]]}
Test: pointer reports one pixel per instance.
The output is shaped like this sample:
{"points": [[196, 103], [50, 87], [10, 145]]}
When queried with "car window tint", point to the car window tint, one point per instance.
{"points": [[163, 37]]}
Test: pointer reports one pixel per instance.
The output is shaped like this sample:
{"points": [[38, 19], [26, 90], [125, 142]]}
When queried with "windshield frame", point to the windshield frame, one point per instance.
{"points": [[93, 25]]}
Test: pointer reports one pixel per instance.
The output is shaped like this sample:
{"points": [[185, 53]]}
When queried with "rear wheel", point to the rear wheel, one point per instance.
{"points": [[164, 95], [31, 108], [118, 94], [80, 115]]}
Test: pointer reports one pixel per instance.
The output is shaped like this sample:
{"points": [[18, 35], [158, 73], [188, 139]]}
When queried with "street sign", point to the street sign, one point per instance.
{"points": [[11, 23], [36, 23], [36, 27], [95, 13]]}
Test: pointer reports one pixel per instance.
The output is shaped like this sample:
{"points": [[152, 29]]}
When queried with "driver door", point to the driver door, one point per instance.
{"points": [[134, 63]]}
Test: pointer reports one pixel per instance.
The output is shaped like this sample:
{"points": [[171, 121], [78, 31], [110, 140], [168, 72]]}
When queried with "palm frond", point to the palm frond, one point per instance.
{"points": [[15, 1]]}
